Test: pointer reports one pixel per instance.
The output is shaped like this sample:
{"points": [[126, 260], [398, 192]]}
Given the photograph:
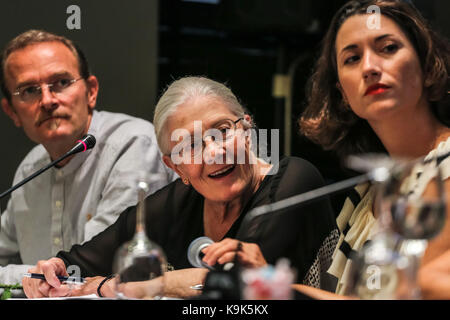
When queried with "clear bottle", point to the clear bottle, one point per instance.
{"points": [[140, 263]]}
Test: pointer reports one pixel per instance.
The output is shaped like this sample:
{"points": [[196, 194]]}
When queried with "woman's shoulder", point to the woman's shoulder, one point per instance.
{"points": [[296, 163], [305, 172], [294, 175]]}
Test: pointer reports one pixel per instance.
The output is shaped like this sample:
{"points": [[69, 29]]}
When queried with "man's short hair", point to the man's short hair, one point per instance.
{"points": [[39, 36]]}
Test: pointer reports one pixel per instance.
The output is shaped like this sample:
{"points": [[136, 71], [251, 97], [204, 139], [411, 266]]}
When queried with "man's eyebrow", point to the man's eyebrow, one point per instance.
{"points": [[355, 46], [54, 76], [58, 75], [25, 84]]}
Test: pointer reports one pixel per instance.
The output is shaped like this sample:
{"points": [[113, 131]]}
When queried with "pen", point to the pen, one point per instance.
{"points": [[77, 280]]}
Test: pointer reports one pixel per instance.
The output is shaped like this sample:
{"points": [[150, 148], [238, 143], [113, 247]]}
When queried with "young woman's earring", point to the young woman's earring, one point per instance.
{"points": [[344, 102], [186, 181], [346, 105]]}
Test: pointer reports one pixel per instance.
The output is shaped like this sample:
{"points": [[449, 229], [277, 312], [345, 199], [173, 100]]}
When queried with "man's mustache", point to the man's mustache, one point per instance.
{"points": [[46, 117]]}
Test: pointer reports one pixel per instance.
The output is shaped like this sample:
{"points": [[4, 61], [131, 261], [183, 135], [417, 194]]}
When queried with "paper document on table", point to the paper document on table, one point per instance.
{"points": [[86, 297]]}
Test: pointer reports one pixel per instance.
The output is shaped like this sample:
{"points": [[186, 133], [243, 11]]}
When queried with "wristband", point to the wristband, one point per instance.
{"points": [[102, 283]]}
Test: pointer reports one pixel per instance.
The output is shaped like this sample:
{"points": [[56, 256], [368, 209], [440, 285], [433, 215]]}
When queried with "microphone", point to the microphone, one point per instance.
{"points": [[222, 282], [88, 142], [195, 255]]}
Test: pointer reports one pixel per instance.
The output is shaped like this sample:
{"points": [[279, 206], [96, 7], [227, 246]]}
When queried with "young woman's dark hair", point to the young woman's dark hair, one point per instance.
{"points": [[329, 121]]}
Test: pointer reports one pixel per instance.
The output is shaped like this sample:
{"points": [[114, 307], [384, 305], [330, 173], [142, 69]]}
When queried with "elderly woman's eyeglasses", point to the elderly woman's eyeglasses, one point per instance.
{"points": [[33, 93], [221, 132]]}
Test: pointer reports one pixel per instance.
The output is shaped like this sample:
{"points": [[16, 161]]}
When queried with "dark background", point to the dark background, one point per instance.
{"points": [[137, 47], [247, 42]]}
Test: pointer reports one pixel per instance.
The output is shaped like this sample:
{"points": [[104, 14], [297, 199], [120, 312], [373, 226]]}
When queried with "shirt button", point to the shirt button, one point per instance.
{"points": [[58, 204], [56, 241]]}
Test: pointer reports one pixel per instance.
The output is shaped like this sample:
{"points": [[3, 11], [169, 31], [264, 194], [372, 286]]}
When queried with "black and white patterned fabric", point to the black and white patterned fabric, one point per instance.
{"points": [[318, 275]]}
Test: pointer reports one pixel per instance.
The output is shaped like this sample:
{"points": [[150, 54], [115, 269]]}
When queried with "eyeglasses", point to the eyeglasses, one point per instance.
{"points": [[221, 132], [33, 93]]}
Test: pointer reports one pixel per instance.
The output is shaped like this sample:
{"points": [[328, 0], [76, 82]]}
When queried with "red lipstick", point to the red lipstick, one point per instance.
{"points": [[376, 89]]}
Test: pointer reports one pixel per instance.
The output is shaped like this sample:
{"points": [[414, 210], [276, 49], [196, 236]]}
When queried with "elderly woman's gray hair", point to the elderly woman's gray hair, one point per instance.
{"points": [[182, 90]]}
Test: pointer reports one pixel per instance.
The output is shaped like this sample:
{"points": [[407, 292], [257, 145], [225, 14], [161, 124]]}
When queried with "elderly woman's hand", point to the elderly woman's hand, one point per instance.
{"points": [[52, 287], [248, 254]]}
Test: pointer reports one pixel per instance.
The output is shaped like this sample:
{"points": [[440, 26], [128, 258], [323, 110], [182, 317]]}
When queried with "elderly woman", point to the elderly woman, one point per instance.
{"points": [[379, 85], [221, 180]]}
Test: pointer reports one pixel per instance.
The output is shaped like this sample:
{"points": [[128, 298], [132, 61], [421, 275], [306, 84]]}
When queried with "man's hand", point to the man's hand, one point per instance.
{"points": [[51, 287]]}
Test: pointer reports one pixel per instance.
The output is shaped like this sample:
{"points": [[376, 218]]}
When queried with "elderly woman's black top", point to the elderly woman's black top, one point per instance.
{"points": [[175, 218]]}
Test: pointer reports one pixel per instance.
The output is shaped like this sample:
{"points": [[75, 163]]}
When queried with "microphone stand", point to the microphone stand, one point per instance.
{"points": [[379, 174], [88, 142], [21, 183]]}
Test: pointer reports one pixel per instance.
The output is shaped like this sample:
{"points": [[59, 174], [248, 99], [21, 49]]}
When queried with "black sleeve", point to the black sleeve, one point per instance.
{"points": [[95, 257], [164, 208]]}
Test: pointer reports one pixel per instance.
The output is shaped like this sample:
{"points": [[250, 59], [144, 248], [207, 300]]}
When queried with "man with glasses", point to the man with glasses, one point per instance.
{"points": [[49, 92]]}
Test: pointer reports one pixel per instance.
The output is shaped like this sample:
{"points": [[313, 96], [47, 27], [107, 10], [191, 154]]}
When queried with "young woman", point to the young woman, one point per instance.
{"points": [[380, 84]]}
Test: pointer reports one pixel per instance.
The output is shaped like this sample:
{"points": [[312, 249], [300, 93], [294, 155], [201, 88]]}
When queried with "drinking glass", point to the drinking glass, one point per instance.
{"points": [[411, 209], [140, 263]]}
